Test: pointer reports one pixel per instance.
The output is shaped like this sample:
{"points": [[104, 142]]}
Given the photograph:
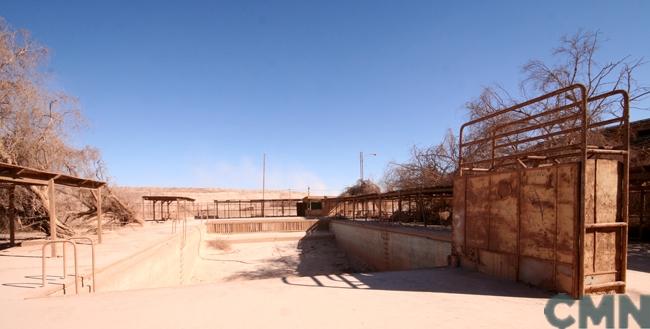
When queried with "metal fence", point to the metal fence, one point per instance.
{"points": [[247, 208], [419, 206]]}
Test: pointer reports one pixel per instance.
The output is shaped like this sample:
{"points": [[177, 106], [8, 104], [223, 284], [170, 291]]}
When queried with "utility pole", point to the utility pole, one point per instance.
{"points": [[263, 181], [361, 163], [308, 198]]}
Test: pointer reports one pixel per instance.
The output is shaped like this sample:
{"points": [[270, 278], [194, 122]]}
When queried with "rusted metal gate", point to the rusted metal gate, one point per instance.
{"points": [[542, 192]]}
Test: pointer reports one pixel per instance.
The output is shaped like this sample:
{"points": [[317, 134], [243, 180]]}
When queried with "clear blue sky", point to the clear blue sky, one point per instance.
{"points": [[192, 93]]}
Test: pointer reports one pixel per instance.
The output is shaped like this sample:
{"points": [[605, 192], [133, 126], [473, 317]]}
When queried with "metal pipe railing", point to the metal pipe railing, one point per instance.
{"points": [[91, 243], [76, 268]]}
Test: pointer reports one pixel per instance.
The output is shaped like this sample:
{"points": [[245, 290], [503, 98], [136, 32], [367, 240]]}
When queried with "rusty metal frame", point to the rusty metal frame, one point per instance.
{"points": [[465, 165], [575, 116]]}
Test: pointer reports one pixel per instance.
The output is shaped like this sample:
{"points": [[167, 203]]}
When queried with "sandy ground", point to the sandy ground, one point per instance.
{"points": [[281, 282], [20, 267], [263, 255]]}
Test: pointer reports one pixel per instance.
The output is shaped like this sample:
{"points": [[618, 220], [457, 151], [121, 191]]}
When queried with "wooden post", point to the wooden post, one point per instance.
{"points": [[99, 216], [12, 215], [52, 206]]}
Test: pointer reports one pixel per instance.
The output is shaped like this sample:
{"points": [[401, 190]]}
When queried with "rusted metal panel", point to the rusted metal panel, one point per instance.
{"points": [[477, 211], [498, 264], [564, 278], [504, 192], [567, 211], [571, 211], [607, 190], [538, 213], [536, 272], [458, 221], [606, 254], [589, 253]]}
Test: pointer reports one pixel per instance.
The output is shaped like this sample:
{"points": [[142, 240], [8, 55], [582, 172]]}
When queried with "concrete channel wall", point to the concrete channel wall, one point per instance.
{"points": [[385, 248], [165, 264], [266, 225]]}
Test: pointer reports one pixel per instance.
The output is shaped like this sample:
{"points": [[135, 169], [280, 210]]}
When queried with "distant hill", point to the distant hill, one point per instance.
{"points": [[134, 195]]}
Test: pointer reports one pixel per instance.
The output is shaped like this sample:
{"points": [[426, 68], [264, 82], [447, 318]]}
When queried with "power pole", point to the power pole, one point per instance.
{"points": [[361, 165], [263, 181]]}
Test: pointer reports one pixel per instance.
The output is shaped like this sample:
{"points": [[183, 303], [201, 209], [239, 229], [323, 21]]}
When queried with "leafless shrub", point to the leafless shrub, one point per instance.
{"points": [[361, 187]]}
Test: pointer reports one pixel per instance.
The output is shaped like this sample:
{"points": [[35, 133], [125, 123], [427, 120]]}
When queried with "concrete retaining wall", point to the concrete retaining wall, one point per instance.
{"points": [[266, 225], [384, 248], [169, 263]]}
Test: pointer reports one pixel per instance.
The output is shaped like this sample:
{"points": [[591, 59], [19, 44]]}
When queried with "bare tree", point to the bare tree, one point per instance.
{"points": [[35, 123], [361, 187], [430, 166], [575, 62]]}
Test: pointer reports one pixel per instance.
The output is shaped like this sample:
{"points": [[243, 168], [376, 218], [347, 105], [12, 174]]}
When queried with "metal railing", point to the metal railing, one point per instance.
{"points": [[91, 243], [76, 268], [551, 127], [74, 244]]}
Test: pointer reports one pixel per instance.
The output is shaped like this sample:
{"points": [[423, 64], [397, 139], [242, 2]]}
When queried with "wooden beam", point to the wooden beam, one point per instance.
{"points": [[23, 181], [52, 206], [99, 216], [12, 215]]}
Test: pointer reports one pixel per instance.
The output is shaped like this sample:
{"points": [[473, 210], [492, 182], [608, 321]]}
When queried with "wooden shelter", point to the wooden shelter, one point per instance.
{"points": [[19, 175], [164, 200]]}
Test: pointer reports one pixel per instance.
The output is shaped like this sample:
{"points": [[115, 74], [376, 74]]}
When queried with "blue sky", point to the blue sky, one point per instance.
{"points": [[191, 93]]}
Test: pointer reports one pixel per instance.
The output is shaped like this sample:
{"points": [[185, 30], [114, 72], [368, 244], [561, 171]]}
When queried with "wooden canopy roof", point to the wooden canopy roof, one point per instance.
{"points": [[165, 198], [29, 176]]}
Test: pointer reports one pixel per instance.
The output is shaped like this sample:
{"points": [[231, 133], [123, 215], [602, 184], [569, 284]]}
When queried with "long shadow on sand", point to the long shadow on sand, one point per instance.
{"points": [[437, 280]]}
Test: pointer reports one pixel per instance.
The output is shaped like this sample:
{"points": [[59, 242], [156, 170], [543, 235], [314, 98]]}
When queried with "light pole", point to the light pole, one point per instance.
{"points": [[263, 181], [361, 162]]}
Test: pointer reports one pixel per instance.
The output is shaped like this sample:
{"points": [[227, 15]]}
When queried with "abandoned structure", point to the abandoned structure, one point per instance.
{"points": [[541, 197], [18, 175], [170, 207], [424, 206]]}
